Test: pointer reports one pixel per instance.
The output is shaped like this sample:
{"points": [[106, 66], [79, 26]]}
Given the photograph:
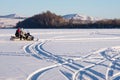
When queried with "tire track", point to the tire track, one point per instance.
{"points": [[106, 58], [113, 62], [36, 49]]}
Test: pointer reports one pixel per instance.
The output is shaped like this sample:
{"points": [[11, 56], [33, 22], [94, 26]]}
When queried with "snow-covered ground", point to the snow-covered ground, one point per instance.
{"points": [[9, 22], [61, 54]]}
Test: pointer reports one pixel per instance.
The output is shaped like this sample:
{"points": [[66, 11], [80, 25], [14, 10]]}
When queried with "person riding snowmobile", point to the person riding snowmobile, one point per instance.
{"points": [[17, 33], [22, 34]]}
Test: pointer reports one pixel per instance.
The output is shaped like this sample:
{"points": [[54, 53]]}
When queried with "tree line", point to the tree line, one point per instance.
{"points": [[51, 20]]}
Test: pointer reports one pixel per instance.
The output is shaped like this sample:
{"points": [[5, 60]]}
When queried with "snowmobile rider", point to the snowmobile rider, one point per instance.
{"points": [[17, 33], [22, 34]]}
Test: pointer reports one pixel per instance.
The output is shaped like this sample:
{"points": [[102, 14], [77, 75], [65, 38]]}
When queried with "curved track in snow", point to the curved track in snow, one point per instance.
{"points": [[36, 50], [77, 70], [110, 73]]}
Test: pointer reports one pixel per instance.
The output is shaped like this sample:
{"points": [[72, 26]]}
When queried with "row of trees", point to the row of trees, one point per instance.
{"points": [[51, 20], [44, 20]]}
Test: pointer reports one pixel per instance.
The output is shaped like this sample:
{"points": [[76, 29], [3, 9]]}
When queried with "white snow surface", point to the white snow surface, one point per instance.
{"points": [[61, 54], [9, 22]]}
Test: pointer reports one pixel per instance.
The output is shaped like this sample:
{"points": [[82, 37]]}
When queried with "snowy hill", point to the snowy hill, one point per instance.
{"points": [[14, 16], [80, 17], [10, 20]]}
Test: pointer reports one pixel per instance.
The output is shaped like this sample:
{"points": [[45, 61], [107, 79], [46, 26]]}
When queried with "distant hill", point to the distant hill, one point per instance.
{"points": [[80, 17], [10, 21], [13, 16], [43, 20]]}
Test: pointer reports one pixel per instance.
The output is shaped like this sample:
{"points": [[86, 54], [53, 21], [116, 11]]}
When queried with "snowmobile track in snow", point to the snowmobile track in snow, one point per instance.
{"points": [[77, 70]]}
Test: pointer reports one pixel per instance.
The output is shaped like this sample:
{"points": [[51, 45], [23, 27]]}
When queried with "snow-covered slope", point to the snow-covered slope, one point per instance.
{"points": [[8, 22], [14, 16], [80, 17], [11, 20]]}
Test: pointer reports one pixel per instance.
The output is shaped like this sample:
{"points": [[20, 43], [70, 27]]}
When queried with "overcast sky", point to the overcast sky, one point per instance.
{"points": [[95, 8]]}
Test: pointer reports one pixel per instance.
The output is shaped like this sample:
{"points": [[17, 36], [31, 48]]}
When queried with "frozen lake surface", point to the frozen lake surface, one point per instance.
{"points": [[61, 54]]}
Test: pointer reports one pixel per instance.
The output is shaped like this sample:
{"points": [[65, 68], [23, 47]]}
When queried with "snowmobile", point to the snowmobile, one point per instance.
{"points": [[27, 37]]}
